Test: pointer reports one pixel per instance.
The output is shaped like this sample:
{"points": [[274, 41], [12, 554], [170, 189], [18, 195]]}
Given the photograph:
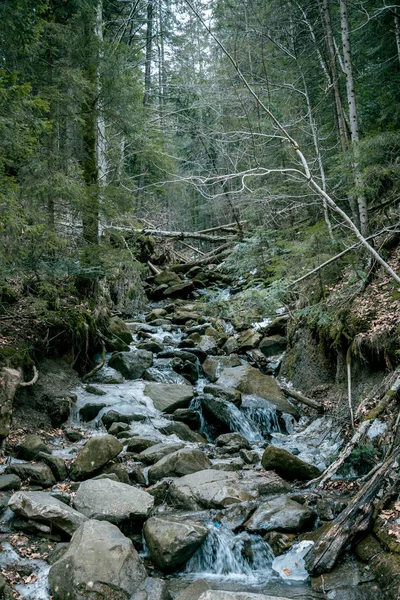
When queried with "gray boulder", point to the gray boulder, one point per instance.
{"points": [[232, 442], [183, 432], [214, 365], [208, 489], [9, 482], [179, 290], [181, 462], [38, 474], [172, 542], [99, 563], [165, 277], [228, 394], [117, 427], [288, 465], [138, 444], [107, 375], [249, 339], [133, 364], [155, 453], [114, 416], [120, 330], [219, 412], [40, 506], [273, 345], [30, 448], [167, 397], [281, 514], [90, 410], [249, 380], [188, 416], [55, 463], [194, 590], [108, 500], [231, 346], [96, 453]]}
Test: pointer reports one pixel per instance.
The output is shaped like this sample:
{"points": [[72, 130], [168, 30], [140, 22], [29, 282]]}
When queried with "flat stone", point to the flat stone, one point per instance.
{"points": [[96, 391], [9, 482], [214, 365], [38, 474], [281, 514], [181, 462], [172, 542], [99, 563], [155, 453], [194, 590], [183, 432], [287, 465], [168, 397], [40, 506], [96, 453], [228, 394], [108, 500]]}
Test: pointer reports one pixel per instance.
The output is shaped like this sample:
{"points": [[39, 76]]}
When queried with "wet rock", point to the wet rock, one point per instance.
{"points": [[194, 590], [107, 375], [368, 547], [264, 483], [232, 442], [179, 290], [133, 364], [57, 552], [233, 464], [96, 453], [99, 563], [214, 365], [2, 584], [137, 444], [273, 345], [249, 380], [235, 515], [164, 376], [287, 465], [208, 489], [156, 453], [167, 277], [168, 397], [72, 435], [59, 408], [188, 416], [386, 568], [117, 470], [91, 410], [350, 580], [156, 313], [56, 464], [42, 507], [183, 432], [281, 514], [108, 500], [120, 330], [9, 482], [181, 317], [114, 416], [182, 354], [248, 339], [181, 462], [208, 344], [30, 448], [201, 355], [150, 346], [172, 542], [38, 474], [188, 370], [219, 412], [228, 394], [117, 427], [158, 292], [249, 457], [386, 530], [279, 542], [92, 389], [231, 346], [152, 589]]}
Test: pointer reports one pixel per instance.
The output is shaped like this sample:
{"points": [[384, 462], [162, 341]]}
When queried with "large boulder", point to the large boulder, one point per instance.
{"points": [[179, 290], [249, 339], [120, 330], [183, 432], [133, 364], [38, 473], [107, 375], [114, 416], [9, 482], [167, 397], [281, 514], [273, 345], [179, 463], [108, 500], [96, 453], [156, 453], [172, 542], [220, 413], [56, 465], [99, 563], [230, 443], [249, 380], [40, 506], [90, 410], [188, 416], [288, 465], [30, 448], [168, 278], [228, 394], [214, 365], [208, 489]]}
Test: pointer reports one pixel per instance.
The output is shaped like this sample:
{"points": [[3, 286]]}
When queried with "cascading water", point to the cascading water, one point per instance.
{"points": [[226, 555]]}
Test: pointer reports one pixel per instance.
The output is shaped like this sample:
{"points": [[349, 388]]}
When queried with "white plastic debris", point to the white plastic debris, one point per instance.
{"points": [[291, 566]]}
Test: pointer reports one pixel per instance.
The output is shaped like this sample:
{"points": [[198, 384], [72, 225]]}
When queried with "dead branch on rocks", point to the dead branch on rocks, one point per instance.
{"points": [[355, 519], [179, 235], [301, 398], [33, 380]]}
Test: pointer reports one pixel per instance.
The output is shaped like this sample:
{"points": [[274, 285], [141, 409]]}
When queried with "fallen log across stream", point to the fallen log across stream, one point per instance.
{"points": [[179, 235], [355, 519]]}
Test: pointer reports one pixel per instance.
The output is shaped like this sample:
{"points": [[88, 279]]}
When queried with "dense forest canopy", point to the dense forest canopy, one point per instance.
{"points": [[130, 114]]}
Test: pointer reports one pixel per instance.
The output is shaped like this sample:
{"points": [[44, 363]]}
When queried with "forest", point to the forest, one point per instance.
{"points": [[199, 278]]}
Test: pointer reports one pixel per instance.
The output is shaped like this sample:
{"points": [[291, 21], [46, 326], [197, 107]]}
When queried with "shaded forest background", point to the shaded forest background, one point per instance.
{"points": [[125, 113]]}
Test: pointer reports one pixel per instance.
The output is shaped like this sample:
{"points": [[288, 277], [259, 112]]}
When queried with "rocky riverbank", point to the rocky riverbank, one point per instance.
{"points": [[179, 471]]}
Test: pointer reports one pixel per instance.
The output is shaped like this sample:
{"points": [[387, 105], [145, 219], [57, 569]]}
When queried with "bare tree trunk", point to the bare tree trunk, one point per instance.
{"points": [[397, 33], [149, 53], [351, 99]]}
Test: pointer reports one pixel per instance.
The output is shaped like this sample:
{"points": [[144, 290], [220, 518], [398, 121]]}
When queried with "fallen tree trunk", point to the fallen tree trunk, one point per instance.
{"points": [[179, 235], [355, 519], [229, 227], [303, 399]]}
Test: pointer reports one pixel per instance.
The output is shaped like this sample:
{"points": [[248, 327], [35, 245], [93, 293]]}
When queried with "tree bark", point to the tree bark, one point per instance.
{"points": [[179, 235], [356, 518], [301, 398]]}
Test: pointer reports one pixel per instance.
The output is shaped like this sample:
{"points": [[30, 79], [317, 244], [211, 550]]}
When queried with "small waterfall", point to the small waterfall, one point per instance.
{"points": [[225, 555], [241, 424], [205, 429]]}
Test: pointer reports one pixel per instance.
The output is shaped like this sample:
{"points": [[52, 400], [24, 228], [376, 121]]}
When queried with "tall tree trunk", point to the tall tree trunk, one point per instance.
{"points": [[351, 99], [149, 53], [397, 32]]}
